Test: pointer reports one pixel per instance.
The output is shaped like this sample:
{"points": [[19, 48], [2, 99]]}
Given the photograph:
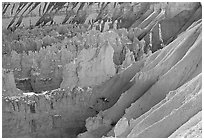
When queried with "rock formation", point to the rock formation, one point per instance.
{"points": [[152, 83], [132, 78]]}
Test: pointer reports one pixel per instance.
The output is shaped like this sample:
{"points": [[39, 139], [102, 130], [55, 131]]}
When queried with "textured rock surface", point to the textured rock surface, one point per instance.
{"points": [[174, 8], [174, 120], [174, 65], [176, 100], [92, 67], [186, 130], [173, 100], [8, 84], [73, 81], [55, 114]]}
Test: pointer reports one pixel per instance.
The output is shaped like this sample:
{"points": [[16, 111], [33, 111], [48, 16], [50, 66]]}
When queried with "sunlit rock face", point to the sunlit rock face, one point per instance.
{"points": [[95, 64], [92, 67], [99, 69]]}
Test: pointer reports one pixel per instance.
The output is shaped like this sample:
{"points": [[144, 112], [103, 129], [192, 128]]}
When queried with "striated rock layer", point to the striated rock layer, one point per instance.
{"points": [[172, 67]]}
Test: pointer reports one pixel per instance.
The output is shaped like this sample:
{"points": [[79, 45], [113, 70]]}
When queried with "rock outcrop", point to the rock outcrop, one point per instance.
{"points": [[50, 114], [172, 68], [101, 80], [8, 84]]}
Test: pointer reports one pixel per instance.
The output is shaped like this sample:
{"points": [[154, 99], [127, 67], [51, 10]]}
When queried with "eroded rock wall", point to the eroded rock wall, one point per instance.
{"points": [[50, 114], [110, 83], [180, 60]]}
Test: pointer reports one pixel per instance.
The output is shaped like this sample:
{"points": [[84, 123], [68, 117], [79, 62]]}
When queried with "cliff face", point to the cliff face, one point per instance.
{"points": [[68, 81], [54, 114], [171, 68]]}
